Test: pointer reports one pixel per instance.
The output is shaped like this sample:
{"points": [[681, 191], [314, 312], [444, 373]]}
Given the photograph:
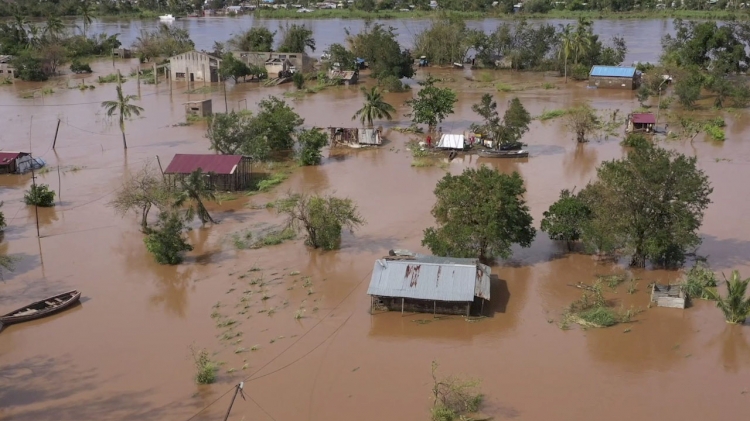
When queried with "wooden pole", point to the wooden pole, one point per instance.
{"points": [[56, 131], [468, 309], [434, 309], [372, 301], [238, 389], [156, 77], [402, 306], [226, 106], [160, 168], [138, 78]]}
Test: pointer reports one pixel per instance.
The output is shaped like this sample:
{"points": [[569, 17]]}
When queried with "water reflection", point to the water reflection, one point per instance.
{"points": [[735, 350], [580, 163]]}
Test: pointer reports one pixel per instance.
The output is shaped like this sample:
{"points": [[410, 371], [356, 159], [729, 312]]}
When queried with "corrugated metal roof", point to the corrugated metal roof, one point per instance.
{"points": [[369, 137], [7, 157], [218, 164], [425, 278], [644, 118], [612, 71], [451, 141]]}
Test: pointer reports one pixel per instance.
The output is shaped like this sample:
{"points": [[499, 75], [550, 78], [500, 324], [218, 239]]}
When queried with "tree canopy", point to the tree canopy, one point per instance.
{"points": [[480, 213], [321, 217], [296, 38], [563, 220], [379, 47], [432, 104], [256, 38]]}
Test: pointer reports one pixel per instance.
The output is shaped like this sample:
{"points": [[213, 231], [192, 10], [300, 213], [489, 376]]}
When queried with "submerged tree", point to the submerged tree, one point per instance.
{"points": [[581, 121], [432, 104], [311, 142], [487, 109], [467, 227], [233, 68], [256, 38], [165, 241], [193, 190], [374, 107], [322, 218], [735, 306], [230, 133], [140, 192], [380, 48], [565, 218], [295, 38], [123, 108], [39, 195], [509, 131]]}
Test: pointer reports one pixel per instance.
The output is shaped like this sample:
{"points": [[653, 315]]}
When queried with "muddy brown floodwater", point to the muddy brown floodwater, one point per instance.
{"points": [[123, 354]]}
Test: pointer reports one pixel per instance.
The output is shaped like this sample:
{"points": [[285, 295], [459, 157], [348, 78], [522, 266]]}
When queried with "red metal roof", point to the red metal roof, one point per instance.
{"points": [[187, 163], [7, 157], [644, 118]]}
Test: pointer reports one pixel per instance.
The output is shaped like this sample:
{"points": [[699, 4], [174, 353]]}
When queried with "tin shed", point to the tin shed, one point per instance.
{"points": [[614, 77], [224, 172]]}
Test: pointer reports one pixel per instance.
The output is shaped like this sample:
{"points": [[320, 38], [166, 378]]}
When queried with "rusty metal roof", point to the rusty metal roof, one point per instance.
{"points": [[644, 118], [218, 164], [431, 278], [7, 157]]}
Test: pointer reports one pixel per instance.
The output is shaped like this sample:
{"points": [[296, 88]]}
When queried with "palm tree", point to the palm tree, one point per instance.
{"points": [[123, 108], [735, 306], [87, 14], [19, 26], [581, 39], [193, 189], [374, 107], [54, 27], [566, 45]]}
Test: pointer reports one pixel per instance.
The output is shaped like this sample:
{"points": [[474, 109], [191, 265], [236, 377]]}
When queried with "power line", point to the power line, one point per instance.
{"points": [[248, 378]]}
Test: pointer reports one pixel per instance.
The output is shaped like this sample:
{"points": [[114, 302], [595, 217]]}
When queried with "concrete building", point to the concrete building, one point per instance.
{"points": [[194, 66], [199, 108], [431, 284], [277, 66], [6, 70], [614, 77], [301, 61], [224, 172]]}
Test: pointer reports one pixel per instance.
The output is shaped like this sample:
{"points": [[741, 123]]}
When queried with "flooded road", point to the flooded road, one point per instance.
{"points": [[643, 36], [124, 353]]}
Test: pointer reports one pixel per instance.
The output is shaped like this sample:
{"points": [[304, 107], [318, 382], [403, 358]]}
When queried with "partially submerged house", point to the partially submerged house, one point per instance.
{"points": [[223, 172], [354, 138], [614, 77], [451, 141], [202, 108], [6, 69], [300, 61], [277, 66], [18, 162], [122, 52], [347, 77], [420, 283], [640, 123], [194, 66], [668, 296]]}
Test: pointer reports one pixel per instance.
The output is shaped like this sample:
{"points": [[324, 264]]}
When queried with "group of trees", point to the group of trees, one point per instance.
{"points": [[294, 39], [164, 41], [509, 130], [388, 62]]}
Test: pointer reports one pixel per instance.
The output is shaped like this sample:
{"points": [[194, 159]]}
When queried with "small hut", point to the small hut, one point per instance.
{"points": [[354, 138], [668, 296], [640, 123], [198, 108], [430, 284], [223, 172], [18, 162], [122, 53]]}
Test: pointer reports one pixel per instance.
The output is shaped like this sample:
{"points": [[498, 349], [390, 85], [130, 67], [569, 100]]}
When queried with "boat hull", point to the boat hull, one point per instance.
{"points": [[504, 154], [69, 299]]}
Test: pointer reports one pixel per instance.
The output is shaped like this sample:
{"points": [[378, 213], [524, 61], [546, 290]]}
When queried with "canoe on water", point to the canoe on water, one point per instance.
{"points": [[491, 153], [41, 308]]}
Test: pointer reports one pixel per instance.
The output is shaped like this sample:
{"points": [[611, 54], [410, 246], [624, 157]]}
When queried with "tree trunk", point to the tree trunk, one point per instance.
{"points": [[566, 70], [124, 142], [144, 217]]}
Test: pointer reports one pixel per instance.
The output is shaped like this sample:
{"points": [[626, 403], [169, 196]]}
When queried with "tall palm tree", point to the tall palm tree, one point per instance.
{"points": [[35, 37], [735, 306], [123, 108], [193, 189], [581, 39], [374, 107], [566, 46], [87, 14], [54, 27], [19, 26]]}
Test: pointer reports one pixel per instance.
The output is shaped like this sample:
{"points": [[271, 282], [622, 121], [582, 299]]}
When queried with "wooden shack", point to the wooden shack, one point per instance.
{"points": [[223, 172], [199, 108], [640, 123], [122, 53], [14, 162], [354, 137], [672, 296]]}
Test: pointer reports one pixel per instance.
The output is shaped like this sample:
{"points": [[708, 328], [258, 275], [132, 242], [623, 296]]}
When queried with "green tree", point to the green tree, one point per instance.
{"points": [[346, 60], [378, 46], [643, 93], [321, 217], [39, 195], [276, 123], [230, 134], [374, 107], [233, 68], [467, 227], [256, 39], [123, 108], [86, 12], [487, 109], [295, 38], [54, 27], [446, 41], [192, 191], [581, 39], [299, 80], [650, 204], [721, 86], [432, 104], [581, 121], [565, 218], [566, 47], [29, 67], [139, 193], [735, 306], [688, 89], [311, 142], [165, 241], [515, 123]]}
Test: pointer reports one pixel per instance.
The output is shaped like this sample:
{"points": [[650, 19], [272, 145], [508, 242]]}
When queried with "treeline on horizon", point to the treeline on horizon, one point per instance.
{"points": [[37, 8]]}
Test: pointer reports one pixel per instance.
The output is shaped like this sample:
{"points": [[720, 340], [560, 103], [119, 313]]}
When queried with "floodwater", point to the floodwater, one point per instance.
{"points": [[124, 353], [643, 36]]}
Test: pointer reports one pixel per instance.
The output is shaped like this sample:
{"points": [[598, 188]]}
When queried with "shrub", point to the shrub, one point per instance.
{"points": [[322, 218], [579, 72], [392, 84], [699, 281], [714, 132], [78, 67], [299, 80], [635, 140], [206, 369], [40, 195], [453, 397], [2, 218], [165, 241], [311, 142]]}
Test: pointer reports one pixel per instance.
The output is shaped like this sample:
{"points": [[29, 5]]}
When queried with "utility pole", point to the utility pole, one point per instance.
{"points": [[33, 179], [56, 131], [238, 389]]}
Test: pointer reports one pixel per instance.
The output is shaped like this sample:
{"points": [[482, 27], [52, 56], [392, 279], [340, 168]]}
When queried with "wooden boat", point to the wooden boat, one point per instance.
{"points": [[494, 153], [41, 308]]}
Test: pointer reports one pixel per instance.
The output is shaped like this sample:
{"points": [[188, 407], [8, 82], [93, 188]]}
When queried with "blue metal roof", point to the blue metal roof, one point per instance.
{"points": [[612, 71]]}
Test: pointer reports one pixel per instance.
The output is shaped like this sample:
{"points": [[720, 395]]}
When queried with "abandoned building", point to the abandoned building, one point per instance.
{"points": [[277, 66], [668, 296], [640, 123], [18, 162], [614, 77], [194, 66], [122, 53], [429, 284], [300, 61], [198, 108], [354, 138], [224, 172], [6, 69]]}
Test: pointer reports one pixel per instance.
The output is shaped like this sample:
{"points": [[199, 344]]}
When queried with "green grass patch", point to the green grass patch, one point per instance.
{"points": [[110, 78], [275, 237], [551, 114], [504, 87], [202, 90]]}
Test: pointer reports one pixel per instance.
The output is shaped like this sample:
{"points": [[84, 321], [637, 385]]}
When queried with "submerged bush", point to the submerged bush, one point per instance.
{"points": [[165, 241], [40, 195], [635, 140], [699, 282], [206, 369]]}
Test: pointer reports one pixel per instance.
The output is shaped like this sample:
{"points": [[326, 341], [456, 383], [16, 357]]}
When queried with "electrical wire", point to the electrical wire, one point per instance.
{"points": [[249, 377]]}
